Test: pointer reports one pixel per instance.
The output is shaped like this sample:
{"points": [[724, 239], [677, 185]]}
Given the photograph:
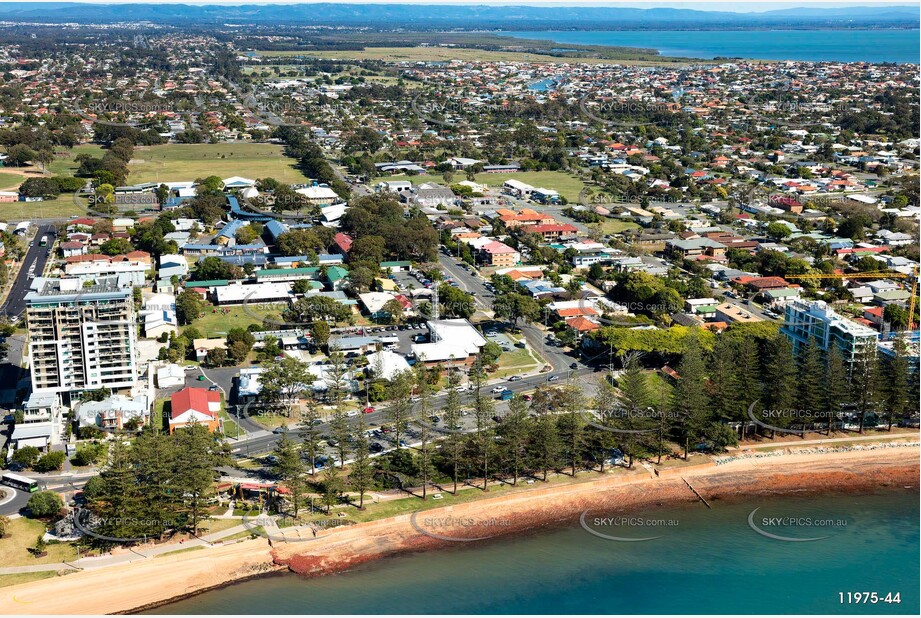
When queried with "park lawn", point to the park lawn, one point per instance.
{"points": [[271, 421], [515, 362], [660, 390], [565, 184], [62, 206], [400, 506], [159, 407], [616, 226], [245, 534], [174, 162], [24, 578], [218, 324], [66, 166], [180, 551], [191, 161], [9, 181], [219, 525], [14, 551], [231, 429]]}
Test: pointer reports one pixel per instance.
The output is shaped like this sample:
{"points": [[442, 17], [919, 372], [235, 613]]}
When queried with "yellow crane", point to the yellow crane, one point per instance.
{"points": [[873, 275]]}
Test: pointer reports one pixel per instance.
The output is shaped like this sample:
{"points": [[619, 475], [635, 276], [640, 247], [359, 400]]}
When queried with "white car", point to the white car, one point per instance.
{"points": [[497, 389], [351, 413]]}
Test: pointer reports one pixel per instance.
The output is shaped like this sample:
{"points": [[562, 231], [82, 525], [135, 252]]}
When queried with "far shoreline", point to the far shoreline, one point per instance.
{"points": [[156, 582], [686, 52]]}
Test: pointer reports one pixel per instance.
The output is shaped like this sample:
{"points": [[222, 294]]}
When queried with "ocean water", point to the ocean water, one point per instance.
{"points": [[703, 562], [817, 45]]}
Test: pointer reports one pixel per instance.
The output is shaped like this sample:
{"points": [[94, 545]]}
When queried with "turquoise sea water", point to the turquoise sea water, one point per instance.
{"points": [[705, 562], [817, 45]]}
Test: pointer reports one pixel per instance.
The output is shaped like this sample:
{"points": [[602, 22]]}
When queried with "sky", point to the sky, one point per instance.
{"points": [[712, 5]]}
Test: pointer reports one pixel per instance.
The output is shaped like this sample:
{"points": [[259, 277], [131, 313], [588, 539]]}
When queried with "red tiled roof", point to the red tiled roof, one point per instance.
{"points": [[576, 311], [498, 247], [768, 283], [191, 398], [582, 324], [343, 241]]}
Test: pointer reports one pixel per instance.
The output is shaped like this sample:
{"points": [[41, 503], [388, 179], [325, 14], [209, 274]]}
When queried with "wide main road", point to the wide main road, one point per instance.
{"points": [[15, 303], [484, 299]]}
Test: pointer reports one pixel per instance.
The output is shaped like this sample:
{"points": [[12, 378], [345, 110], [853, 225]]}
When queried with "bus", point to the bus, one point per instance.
{"points": [[22, 483], [43, 242]]}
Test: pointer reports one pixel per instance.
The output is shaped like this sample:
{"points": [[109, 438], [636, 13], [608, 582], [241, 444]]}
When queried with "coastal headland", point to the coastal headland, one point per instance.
{"points": [[159, 580]]}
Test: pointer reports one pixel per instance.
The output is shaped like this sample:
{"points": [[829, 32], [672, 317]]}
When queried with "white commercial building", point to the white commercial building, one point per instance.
{"points": [[453, 341]]}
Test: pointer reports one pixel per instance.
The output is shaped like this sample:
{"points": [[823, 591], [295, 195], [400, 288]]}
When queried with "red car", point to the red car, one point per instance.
{"points": [[526, 397], [368, 410]]}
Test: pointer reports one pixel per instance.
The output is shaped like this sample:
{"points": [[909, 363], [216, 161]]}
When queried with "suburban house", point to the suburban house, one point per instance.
{"points": [[696, 249], [114, 411], [42, 423], [342, 243], [195, 406]]}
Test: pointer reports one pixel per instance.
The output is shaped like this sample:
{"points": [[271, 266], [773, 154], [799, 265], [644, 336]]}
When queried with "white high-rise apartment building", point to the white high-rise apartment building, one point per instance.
{"points": [[82, 338]]}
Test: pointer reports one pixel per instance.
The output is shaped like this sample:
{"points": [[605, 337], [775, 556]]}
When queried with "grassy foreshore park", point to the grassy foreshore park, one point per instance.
{"points": [[251, 518]]}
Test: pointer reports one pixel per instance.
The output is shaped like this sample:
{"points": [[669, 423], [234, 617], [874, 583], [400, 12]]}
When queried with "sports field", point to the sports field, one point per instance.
{"points": [[176, 162], [191, 161]]}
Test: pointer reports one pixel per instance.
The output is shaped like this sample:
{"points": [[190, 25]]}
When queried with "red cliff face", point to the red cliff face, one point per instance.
{"points": [[530, 509]]}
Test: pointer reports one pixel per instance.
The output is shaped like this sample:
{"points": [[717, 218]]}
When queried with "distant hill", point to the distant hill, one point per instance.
{"points": [[464, 16]]}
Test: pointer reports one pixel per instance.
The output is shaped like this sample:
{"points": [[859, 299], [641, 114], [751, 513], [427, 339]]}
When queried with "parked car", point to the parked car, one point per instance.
{"points": [[376, 447]]}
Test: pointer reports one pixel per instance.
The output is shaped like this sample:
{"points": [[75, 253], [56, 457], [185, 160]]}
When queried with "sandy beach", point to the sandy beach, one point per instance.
{"points": [[158, 580]]}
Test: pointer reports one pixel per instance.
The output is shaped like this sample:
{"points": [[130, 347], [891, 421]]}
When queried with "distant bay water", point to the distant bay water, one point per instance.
{"points": [[708, 562], [846, 45]]}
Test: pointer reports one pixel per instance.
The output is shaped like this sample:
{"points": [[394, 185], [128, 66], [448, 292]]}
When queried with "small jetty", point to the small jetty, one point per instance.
{"points": [[696, 493]]}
